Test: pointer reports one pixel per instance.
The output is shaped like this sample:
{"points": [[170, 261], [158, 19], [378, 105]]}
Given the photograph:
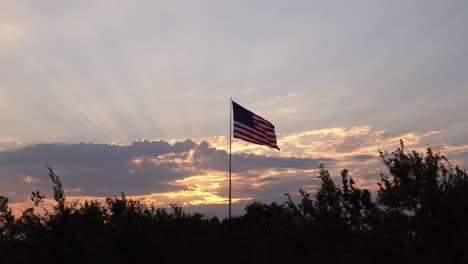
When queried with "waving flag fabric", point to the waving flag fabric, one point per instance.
{"points": [[253, 128]]}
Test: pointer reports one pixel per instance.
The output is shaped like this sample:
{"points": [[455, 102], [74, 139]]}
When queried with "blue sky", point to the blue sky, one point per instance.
{"points": [[339, 79]]}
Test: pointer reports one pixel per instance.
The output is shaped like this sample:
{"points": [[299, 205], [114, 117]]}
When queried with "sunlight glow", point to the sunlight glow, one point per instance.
{"points": [[354, 148]]}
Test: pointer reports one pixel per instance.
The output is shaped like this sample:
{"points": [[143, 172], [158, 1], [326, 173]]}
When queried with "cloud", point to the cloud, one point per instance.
{"points": [[361, 157], [208, 157], [154, 168], [194, 172], [10, 144], [30, 180], [91, 155], [96, 169]]}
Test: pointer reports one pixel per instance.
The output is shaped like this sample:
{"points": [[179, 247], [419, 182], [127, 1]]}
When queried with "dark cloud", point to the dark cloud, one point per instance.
{"points": [[95, 169], [207, 157], [246, 162], [91, 154], [362, 157], [141, 168], [351, 143]]}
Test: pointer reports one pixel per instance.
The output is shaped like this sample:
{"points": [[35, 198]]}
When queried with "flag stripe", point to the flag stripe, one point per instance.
{"points": [[250, 140], [254, 132], [254, 141], [244, 133], [268, 128], [264, 131], [263, 121], [263, 127], [245, 136]]}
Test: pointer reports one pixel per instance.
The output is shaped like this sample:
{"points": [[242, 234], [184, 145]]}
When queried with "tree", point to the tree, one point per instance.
{"points": [[7, 220], [359, 211], [431, 195], [328, 198]]}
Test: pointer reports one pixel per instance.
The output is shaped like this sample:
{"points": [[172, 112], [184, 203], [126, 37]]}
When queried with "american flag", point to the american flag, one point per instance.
{"points": [[253, 128]]}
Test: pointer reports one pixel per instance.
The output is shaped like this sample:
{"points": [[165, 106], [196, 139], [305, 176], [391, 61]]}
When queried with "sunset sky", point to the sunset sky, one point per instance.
{"points": [[133, 96]]}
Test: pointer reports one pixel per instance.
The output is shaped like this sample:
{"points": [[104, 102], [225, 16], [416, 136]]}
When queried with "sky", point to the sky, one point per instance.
{"points": [[133, 96]]}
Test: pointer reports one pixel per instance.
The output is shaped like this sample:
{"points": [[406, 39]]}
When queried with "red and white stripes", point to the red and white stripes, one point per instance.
{"points": [[262, 134]]}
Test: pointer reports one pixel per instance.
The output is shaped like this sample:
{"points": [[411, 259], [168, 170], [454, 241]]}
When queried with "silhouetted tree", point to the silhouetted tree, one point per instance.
{"points": [[432, 196], [7, 220]]}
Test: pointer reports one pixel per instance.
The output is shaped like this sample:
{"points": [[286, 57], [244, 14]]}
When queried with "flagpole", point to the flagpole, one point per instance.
{"points": [[230, 143]]}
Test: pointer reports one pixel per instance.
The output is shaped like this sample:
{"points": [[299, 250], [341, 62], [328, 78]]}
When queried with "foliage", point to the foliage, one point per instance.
{"points": [[431, 196], [420, 216]]}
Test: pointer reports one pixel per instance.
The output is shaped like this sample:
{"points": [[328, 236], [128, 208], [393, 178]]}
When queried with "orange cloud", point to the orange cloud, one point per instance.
{"points": [[354, 148], [30, 180], [347, 145]]}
